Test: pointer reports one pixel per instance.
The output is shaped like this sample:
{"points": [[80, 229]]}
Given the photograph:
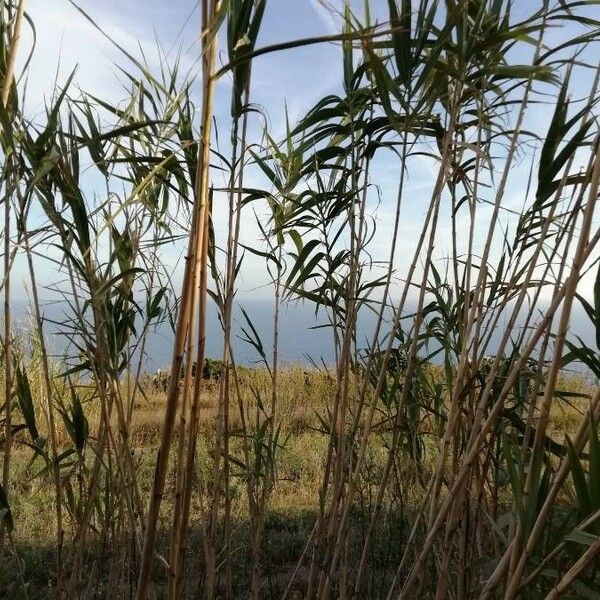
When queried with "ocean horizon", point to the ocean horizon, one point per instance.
{"points": [[304, 337]]}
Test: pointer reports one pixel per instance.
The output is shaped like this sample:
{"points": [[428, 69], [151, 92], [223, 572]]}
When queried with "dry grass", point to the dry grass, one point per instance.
{"points": [[305, 396]]}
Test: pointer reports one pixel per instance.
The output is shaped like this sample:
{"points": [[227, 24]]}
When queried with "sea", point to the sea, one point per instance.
{"points": [[305, 338]]}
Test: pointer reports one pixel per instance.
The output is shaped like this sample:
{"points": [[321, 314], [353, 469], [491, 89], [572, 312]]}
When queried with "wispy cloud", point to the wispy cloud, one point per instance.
{"points": [[328, 12], [66, 40]]}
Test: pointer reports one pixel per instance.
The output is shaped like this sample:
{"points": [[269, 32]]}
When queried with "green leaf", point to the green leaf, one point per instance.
{"points": [[594, 465], [25, 400], [265, 255], [581, 537], [597, 307], [301, 259], [401, 38], [579, 480]]}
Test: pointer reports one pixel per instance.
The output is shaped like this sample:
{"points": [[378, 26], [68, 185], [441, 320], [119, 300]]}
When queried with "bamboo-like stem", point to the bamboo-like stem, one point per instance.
{"points": [[503, 564], [441, 179], [47, 394], [12, 53], [442, 175], [180, 532], [221, 474], [570, 291], [513, 548], [478, 303], [180, 481], [7, 345], [356, 219], [197, 253], [8, 81], [571, 575], [485, 427]]}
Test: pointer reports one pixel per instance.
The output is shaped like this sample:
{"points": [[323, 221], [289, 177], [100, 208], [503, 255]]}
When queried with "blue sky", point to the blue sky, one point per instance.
{"points": [[296, 78], [66, 40], [299, 77]]}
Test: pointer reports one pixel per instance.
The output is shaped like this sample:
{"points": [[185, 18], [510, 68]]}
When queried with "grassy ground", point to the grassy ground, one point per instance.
{"points": [[302, 404], [290, 517]]}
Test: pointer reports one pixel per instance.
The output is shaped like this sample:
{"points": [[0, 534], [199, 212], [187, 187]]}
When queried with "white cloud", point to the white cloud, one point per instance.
{"points": [[66, 40], [329, 12]]}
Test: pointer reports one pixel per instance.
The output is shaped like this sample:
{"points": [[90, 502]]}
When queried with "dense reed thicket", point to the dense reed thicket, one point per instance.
{"points": [[455, 459]]}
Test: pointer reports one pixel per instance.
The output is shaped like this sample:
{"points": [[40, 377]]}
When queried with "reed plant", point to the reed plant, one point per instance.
{"points": [[441, 467]]}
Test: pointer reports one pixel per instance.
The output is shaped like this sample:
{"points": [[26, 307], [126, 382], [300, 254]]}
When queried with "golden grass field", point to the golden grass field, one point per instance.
{"points": [[304, 396]]}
